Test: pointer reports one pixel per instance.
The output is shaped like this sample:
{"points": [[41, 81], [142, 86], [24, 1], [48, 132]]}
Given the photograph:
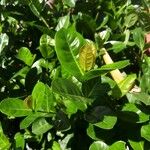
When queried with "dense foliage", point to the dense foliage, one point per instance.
{"points": [[57, 90]]}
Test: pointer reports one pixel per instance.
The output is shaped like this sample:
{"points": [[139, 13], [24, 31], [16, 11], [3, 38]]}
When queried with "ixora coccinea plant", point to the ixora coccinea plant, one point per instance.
{"points": [[74, 75]]}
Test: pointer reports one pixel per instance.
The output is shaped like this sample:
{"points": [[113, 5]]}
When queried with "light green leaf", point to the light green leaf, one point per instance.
{"points": [[139, 39], [67, 45], [98, 145], [63, 22], [4, 39], [14, 107], [145, 132], [123, 87], [130, 20], [142, 97], [46, 46], [108, 122], [43, 98], [25, 123], [70, 3], [25, 55], [137, 145], [119, 145], [19, 141], [56, 146], [4, 141], [40, 126]]}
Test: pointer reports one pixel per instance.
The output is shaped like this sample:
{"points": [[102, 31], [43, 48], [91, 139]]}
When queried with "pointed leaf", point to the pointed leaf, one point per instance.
{"points": [[68, 43]]}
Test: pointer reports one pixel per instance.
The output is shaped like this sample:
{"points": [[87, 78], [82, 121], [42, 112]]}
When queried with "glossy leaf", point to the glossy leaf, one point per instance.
{"points": [[64, 22], [68, 43], [105, 69], [46, 43], [25, 123], [145, 132], [124, 86], [118, 145], [40, 126], [107, 122], [98, 145], [25, 55], [43, 98], [137, 145], [14, 107], [87, 56]]}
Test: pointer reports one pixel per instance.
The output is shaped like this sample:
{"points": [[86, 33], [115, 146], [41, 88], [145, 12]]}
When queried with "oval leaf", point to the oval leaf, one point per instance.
{"points": [[14, 107]]}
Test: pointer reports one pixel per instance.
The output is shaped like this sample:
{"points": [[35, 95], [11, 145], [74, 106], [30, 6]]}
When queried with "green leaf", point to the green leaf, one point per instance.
{"points": [[68, 42], [130, 20], [98, 145], [123, 87], [4, 141], [46, 43], [19, 141], [25, 123], [142, 117], [137, 145], [145, 132], [70, 90], [70, 3], [40, 126], [139, 39], [63, 22], [4, 39], [43, 98], [118, 46], [105, 69], [56, 146], [120, 145], [25, 55], [14, 107], [108, 122], [142, 97], [91, 132]]}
